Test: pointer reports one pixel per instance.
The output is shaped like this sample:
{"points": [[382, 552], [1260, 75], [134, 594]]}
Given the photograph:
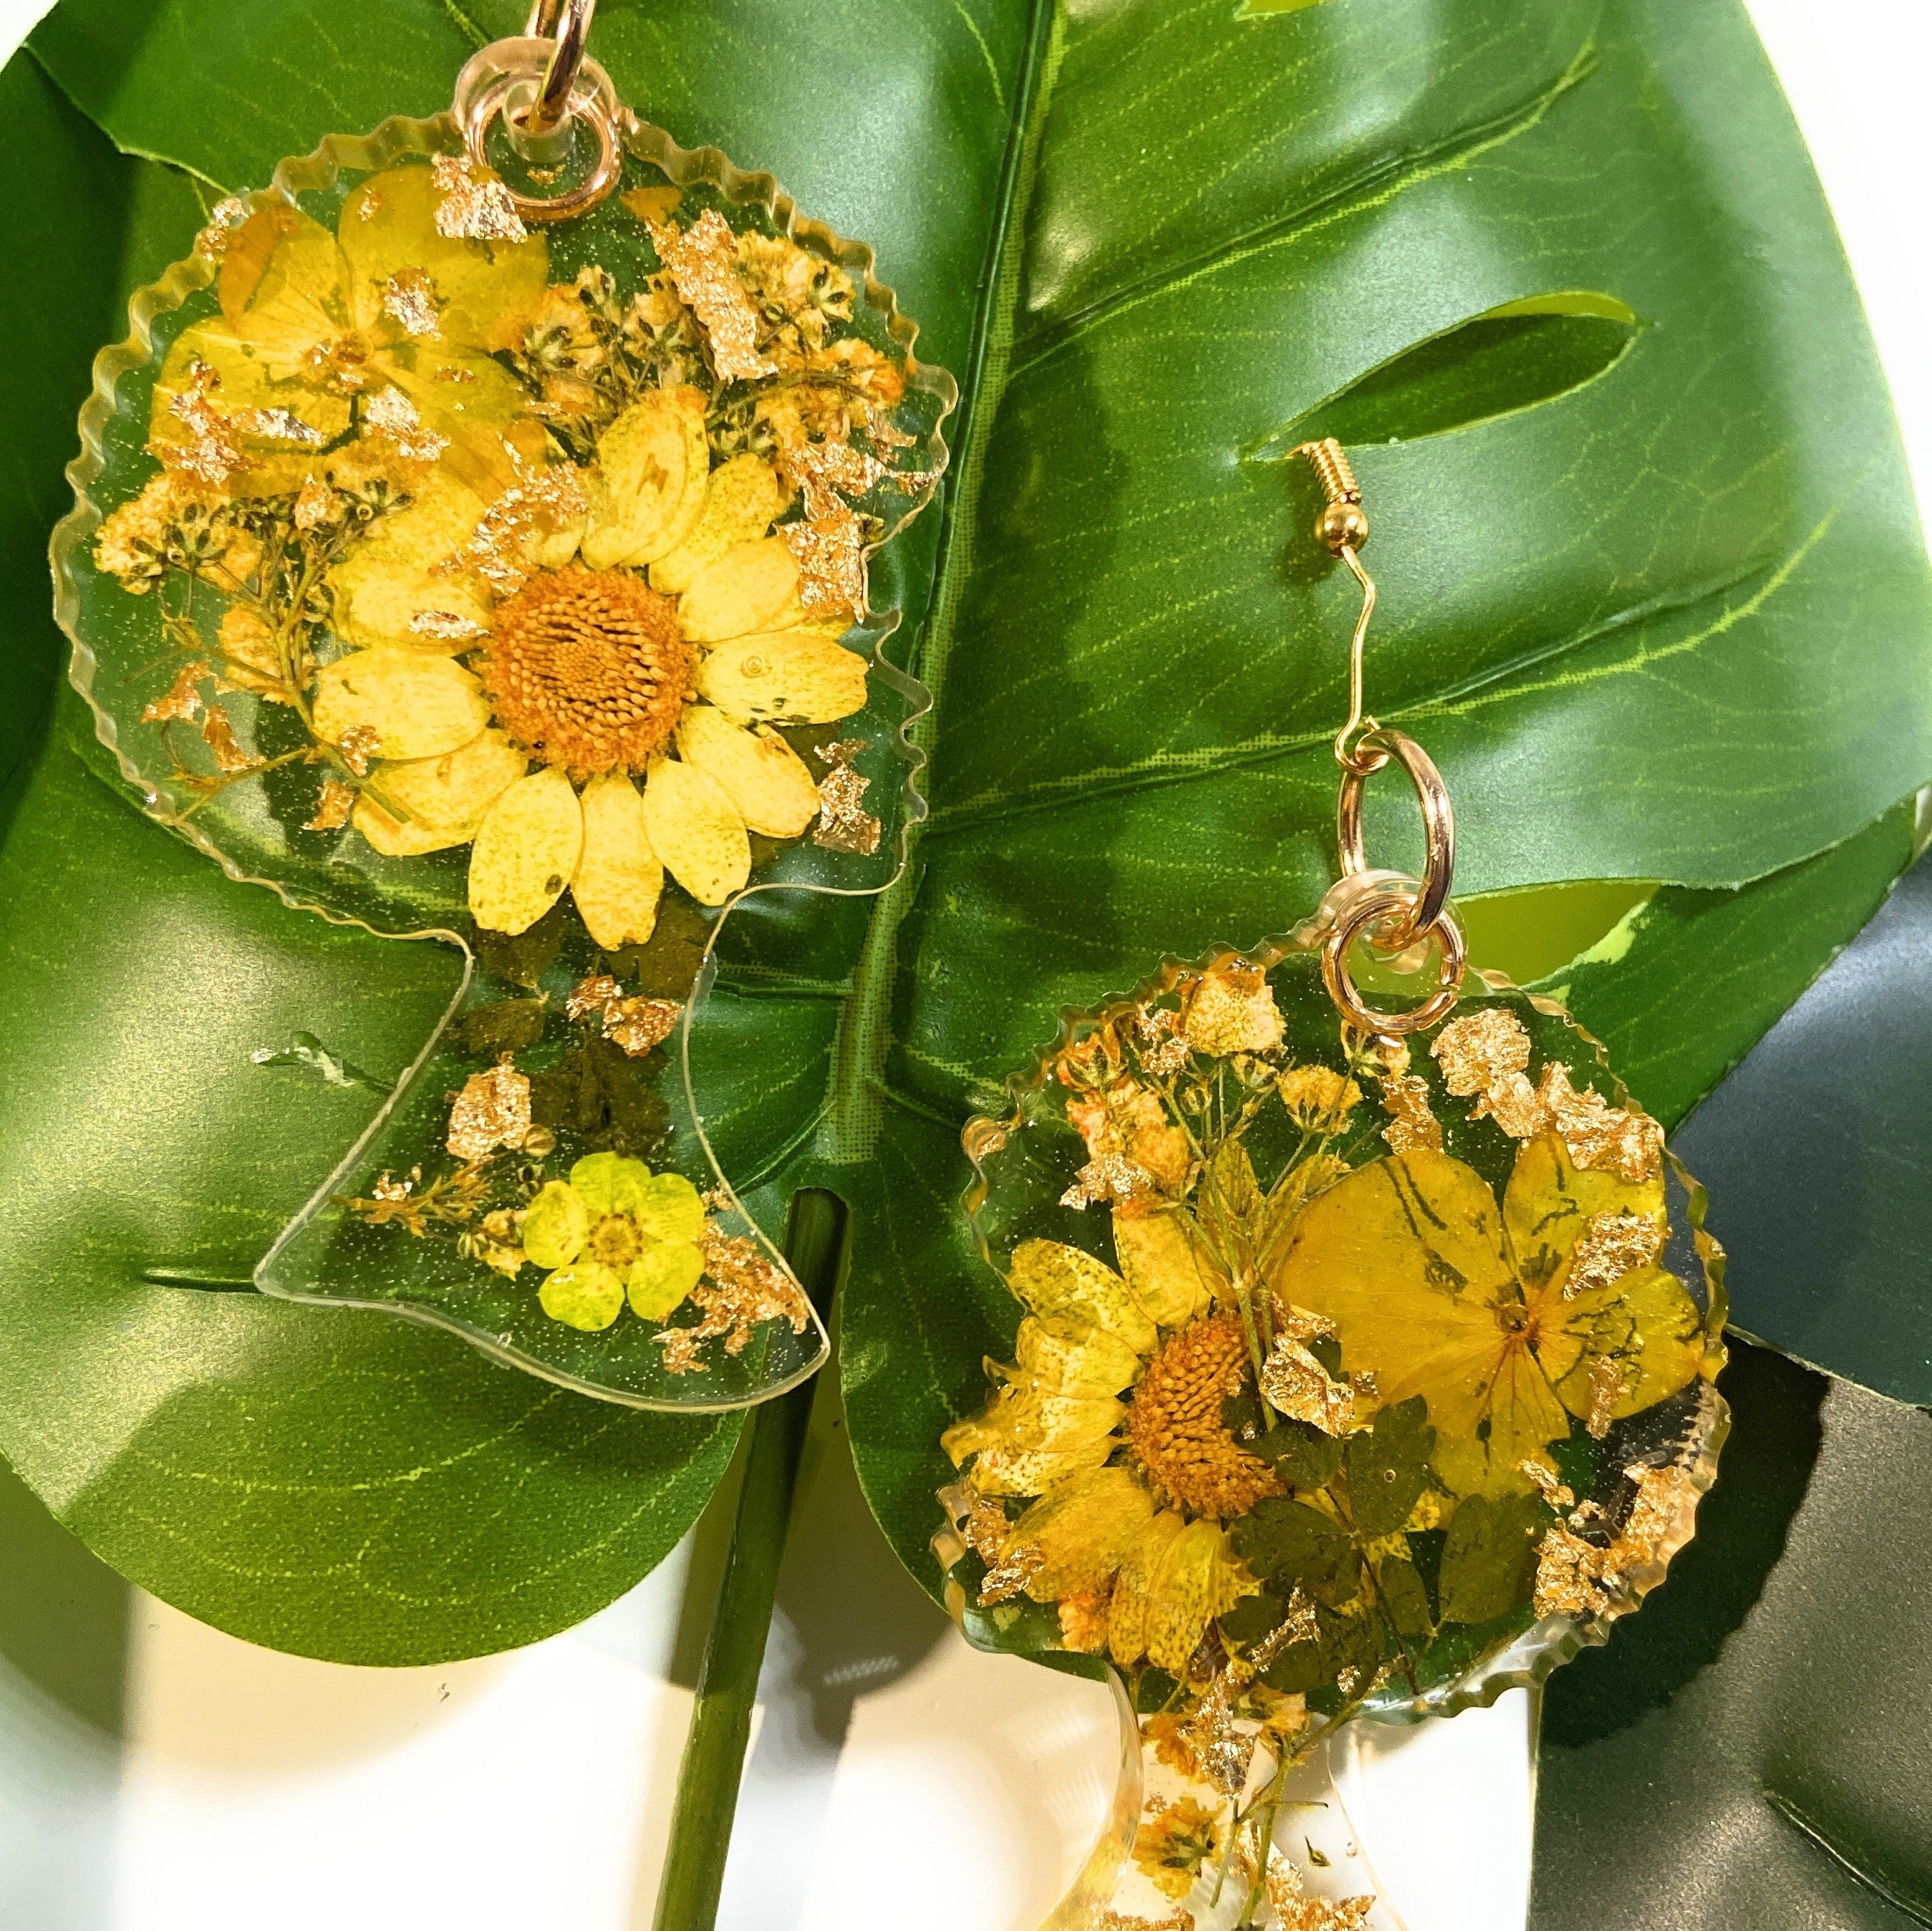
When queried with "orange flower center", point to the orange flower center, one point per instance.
{"points": [[588, 669], [615, 1240], [1175, 1427]]}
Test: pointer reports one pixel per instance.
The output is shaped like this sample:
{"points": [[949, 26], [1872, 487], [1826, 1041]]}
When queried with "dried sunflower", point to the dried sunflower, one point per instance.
{"points": [[1132, 1488]]}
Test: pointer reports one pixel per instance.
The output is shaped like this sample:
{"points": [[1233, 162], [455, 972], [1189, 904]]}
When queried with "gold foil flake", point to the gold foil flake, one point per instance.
{"points": [[830, 552], [446, 626], [702, 261], [358, 746], [1566, 1569], [1480, 1051], [409, 301], [1606, 1390], [741, 1289], [1317, 1099], [452, 372], [370, 206], [982, 1522], [218, 734], [226, 215], [1300, 1323], [393, 415], [278, 425], [1009, 1576], [315, 505], [1516, 1106], [843, 823], [492, 1110], [1115, 1920], [1223, 1750], [1406, 1096], [333, 806], [1297, 1621], [475, 206], [1630, 1143], [1296, 1385], [1663, 1495], [1109, 1177], [635, 1024], [1611, 1245], [211, 454], [544, 497], [594, 994], [182, 700], [1295, 1911], [1555, 1493], [1163, 1050], [387, 1188]]}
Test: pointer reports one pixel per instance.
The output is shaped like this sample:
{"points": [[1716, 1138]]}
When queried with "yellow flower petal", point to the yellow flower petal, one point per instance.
{"points": [[387, 582], [389, 224], [619, 879], [1644, 1325], [1053, 1279], [1082, 1532], [281, 281], [1026, 1472], [649, 487], [696, 832], [1199, 1577], [740, 500], [749, 588], [1126, 1613], [1549, 1200], [428, 804], [765, 779], [795, 677], [1166, 1263], [586, 1294], [1406, 1256], [1074, 1357], [418, 706], [527, 850], [661, 1278]]}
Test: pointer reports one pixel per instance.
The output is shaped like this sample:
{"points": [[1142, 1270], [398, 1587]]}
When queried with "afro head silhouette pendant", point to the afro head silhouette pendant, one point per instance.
{"points": [[472, 542]]}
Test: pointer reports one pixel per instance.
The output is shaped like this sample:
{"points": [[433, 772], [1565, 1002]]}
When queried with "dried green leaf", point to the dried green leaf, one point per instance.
{"points": [[1293, 1546], [1489, 1562], [1387, 1466]]}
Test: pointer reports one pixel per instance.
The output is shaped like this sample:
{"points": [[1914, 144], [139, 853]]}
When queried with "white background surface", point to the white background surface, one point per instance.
{"points": [[180, 1780]]}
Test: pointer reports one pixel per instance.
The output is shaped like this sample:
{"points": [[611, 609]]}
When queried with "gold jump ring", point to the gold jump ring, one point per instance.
{"points": [[1383, 904], [567, 22], [1438, 827]]}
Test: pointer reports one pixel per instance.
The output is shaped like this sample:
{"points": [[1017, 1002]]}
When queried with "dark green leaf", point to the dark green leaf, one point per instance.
{"points": [[1814, 1151], [1303, 1456], [523, 958], [1750, 1750], [508, 1026], [1405, 1598], [1387, 1466], [1251, 1619], [1489, 1562], [1293, 1546], [1679, 992]]}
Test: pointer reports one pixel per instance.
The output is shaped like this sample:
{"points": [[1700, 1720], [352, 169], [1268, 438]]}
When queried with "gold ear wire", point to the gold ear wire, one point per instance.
{"points": [[1392, 916], [1342, 528]]}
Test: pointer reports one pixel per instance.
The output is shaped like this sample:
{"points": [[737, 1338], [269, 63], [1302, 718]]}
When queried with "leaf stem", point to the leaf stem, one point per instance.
{"points": [[727, 1682]]}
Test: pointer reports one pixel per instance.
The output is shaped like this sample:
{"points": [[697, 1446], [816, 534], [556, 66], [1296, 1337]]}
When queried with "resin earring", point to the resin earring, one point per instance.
{"points": [[1364, 1367], [471, 541]]}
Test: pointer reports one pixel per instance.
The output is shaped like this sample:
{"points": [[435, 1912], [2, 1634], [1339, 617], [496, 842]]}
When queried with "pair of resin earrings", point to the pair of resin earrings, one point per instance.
{"points": [[471, 541]]}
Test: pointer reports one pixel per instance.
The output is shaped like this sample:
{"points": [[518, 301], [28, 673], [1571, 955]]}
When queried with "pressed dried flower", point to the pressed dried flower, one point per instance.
{"points": [[588, 669]]}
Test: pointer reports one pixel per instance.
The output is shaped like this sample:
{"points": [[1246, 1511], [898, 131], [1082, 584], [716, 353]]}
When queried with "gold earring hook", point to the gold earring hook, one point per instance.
{"points": [[1343, 528], [1392, 913]]}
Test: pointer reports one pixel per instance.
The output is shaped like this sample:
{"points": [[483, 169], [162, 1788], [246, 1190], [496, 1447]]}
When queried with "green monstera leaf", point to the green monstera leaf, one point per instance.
{"points": [[1650, 573], [1653, 590]]}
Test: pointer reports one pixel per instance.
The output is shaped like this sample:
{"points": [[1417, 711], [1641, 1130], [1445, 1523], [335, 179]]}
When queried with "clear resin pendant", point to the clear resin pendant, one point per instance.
{"points": [[471, 549], [1354, 1378]]}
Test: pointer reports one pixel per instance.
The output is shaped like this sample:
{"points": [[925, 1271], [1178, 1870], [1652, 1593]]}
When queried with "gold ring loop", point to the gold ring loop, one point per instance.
{"points": [[1438, 825], [498, 82], [567, 22], [1449, 969]]}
